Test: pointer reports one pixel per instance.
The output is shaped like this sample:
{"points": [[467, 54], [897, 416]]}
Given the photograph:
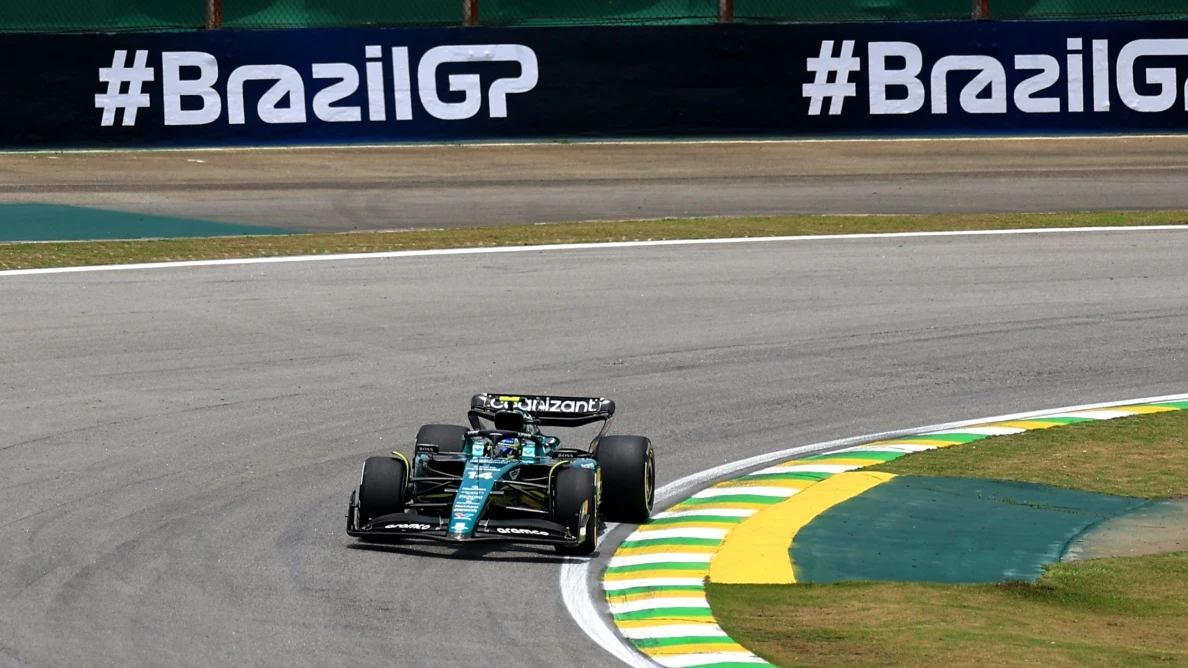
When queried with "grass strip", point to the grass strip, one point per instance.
{"points": [[1103, 612], [1143, 457], [64, 254]]}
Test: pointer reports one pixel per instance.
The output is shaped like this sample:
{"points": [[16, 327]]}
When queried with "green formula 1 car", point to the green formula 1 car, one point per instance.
{"points": [[508, 481]]}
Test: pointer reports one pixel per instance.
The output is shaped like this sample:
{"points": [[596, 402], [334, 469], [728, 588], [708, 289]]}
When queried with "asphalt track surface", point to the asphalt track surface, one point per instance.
{"points": [[177, 446], [406, 187]]}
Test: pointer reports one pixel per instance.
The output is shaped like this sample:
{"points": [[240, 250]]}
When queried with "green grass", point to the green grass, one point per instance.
{"points": [[1144, 457], [1104, 612], [38, 255]]}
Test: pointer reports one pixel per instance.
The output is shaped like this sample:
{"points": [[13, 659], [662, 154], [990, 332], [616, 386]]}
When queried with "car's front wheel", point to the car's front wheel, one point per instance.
{"points": [[575, 506], [381, 489]]}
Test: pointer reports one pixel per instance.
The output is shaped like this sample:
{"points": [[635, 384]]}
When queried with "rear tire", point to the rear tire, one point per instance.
{"points": [[575, 505], [628, 478], [381, 490], [447, 437]]}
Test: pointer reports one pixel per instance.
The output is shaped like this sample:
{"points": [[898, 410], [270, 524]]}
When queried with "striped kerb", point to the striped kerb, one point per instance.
{"points": [[655, 583]]}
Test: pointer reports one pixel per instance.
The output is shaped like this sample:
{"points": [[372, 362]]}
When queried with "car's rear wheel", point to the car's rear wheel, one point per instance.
{"points": [[575, 505], [381, 489], [628, 478]]}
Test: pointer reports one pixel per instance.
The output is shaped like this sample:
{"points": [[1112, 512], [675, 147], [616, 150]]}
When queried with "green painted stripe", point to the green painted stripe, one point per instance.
{"points": [[859, 454], [675, 542], [649, 643], [660, 613], [808, 476], [1182, 405], [711, 519], [660, 566], [1061, 420], [657, 589]]}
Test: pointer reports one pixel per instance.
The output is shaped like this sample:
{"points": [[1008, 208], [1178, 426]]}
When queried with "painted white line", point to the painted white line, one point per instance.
{"points": [[692, 532], [658, 603], [676, 631], [889, 448], [707, 512], [616, 585], [662, 558], [708, 659], [806, 468], [742, 490], [345, 257], [984, 431], [1096, 415], [578, 597]]}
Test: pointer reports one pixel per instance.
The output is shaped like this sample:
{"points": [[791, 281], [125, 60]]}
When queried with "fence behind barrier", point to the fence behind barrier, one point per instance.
{"points": [[134, 15]]}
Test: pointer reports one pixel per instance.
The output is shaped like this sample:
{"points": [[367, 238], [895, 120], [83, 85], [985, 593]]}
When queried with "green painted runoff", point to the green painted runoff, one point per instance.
{"points": [[53, 222]]}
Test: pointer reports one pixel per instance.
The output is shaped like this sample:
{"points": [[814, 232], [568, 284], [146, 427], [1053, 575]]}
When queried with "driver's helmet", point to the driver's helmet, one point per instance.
{"points": [[516, 419]]}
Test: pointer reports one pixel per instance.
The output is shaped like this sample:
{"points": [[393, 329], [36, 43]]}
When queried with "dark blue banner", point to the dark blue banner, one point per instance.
{"points": [[385, 85]]}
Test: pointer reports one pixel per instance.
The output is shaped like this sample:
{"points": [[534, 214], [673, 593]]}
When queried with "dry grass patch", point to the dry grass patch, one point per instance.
{"points": [[27, 255]]}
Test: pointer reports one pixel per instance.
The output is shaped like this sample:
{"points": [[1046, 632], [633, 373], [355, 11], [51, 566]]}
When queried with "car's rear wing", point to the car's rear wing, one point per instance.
{"points": [[552, 411]]}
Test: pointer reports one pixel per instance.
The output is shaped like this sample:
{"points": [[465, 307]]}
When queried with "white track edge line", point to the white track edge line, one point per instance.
{"points": [[340, 257], [575, 575]]}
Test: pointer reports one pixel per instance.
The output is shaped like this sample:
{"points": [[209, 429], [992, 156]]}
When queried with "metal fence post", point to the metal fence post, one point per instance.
{"points": [[214, 14], [725, 11], [470, 12], [981, 9]]}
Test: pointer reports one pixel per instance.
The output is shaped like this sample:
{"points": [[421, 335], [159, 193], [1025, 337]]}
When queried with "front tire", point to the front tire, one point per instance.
{"points": [[381, 489], [575, 505], [628, 478], [447, 437]]}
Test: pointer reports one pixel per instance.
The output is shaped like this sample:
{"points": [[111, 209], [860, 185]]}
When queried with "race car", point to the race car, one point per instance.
{"points": [[508, 481]]}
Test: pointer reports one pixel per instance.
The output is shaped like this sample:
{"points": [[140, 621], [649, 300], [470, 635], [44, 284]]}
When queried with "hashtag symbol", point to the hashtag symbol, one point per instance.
{"points": [[842, 66], [115, 77]]}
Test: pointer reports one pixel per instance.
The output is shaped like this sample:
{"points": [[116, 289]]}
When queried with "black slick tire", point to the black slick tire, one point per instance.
{"points": [[628, 478], [381, 489], [575, 505], [447, 437]]}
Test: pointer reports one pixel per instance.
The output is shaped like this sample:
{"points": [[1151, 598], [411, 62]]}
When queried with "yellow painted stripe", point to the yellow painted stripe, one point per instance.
{"points": [[756, 551], [1146, 409], [660, 549], [693, 648], [658, 573], [649, 595]]}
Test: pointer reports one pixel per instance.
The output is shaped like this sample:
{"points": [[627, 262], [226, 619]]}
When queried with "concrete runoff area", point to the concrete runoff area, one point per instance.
{"points": [[427, 187], [177, 446]]}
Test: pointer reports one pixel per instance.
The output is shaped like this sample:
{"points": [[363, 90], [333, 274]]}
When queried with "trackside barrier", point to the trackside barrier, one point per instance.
{"points": [[465, 84]]}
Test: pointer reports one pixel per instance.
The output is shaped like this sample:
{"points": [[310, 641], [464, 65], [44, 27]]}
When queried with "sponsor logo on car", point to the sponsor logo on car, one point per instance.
{"points": [[524, 532], [546, 404], [409, 526]]}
